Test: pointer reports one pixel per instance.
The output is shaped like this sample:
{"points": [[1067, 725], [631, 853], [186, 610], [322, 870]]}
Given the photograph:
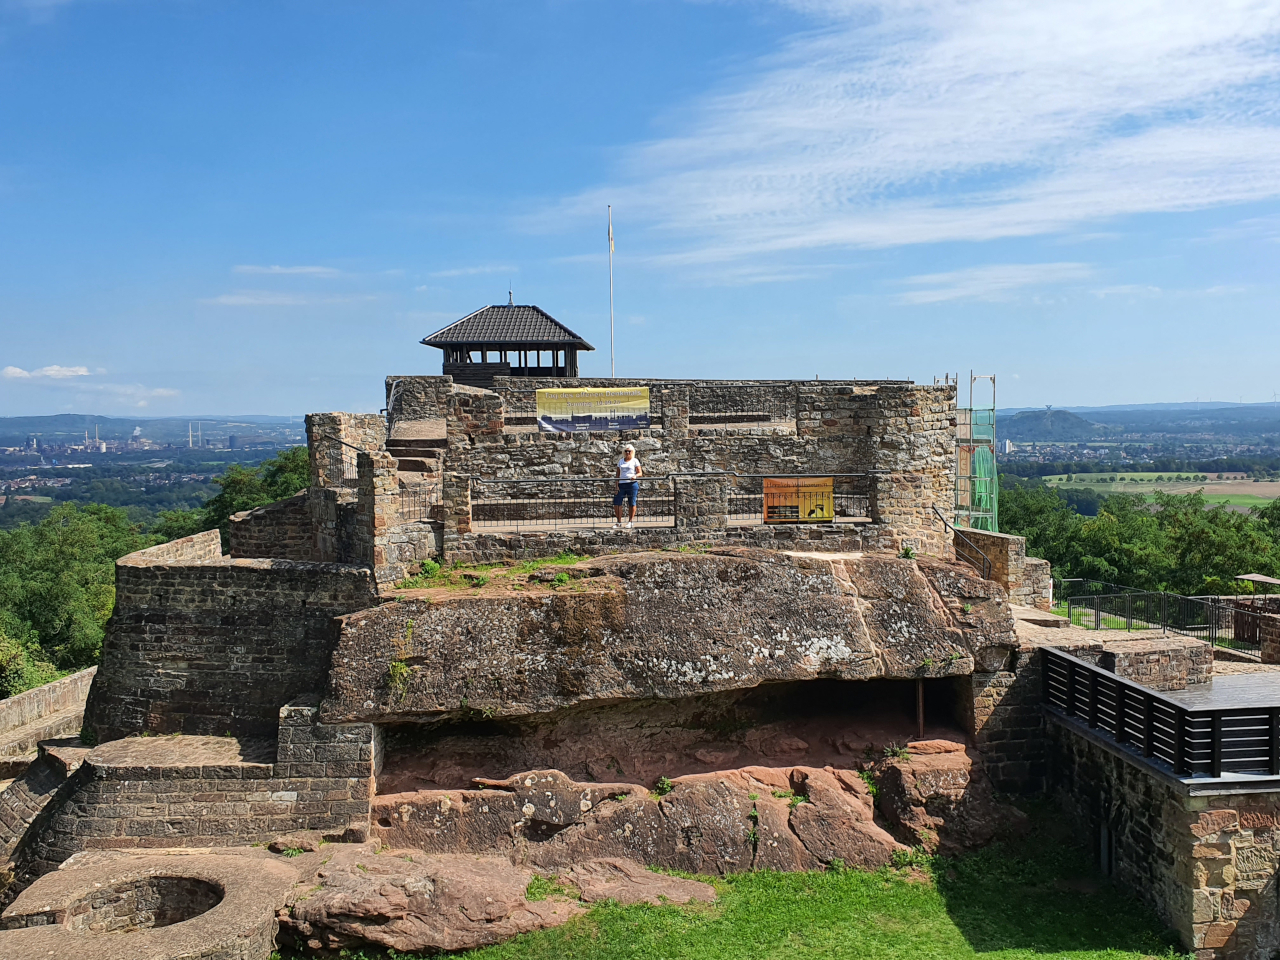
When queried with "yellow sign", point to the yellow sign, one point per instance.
{"points": [[594, 409], [799, 500]]}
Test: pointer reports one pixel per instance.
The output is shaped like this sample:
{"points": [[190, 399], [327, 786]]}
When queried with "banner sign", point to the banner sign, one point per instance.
{"points": [[583, 409], [799, 500]]}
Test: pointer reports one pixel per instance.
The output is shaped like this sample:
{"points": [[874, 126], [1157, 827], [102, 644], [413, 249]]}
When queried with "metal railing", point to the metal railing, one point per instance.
{"points": [[418, 502], [965, 548], [850, 500], [1221, 624], [1199, 742], [340, 464], [564, 502]]}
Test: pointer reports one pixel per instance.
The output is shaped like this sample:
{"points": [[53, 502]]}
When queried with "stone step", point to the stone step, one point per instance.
{"points": [[21, 741], [407, 465], [418, 448]]}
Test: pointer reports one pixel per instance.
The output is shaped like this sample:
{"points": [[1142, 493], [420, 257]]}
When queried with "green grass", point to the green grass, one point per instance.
{"points": [[561, 559], [1034, 898]]}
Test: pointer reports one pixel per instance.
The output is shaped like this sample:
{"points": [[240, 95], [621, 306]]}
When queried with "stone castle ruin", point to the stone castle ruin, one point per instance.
{"points": [[288, 741]]}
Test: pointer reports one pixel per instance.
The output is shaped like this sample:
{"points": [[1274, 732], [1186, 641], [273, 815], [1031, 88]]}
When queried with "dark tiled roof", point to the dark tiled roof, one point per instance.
{"points": [[507, 323]]}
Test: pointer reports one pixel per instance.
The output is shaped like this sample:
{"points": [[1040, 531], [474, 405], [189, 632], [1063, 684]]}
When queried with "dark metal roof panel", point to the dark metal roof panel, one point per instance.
{"points": [[507, 324]]}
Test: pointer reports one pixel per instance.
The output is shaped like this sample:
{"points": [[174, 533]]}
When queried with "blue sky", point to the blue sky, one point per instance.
{"points": [[211, 206]]}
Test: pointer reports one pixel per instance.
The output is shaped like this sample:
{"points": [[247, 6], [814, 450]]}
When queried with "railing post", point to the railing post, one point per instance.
{"points": [[1093, 699], [1180, 742], [1128, 611], [1071, 688], [1273, 741], [1148, 725], [1215, 766], [1120, 718], [1213, 624], [1097, 613]]}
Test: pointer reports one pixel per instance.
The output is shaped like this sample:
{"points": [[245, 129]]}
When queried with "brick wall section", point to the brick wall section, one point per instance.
{"points": [[1007, 723], [217, 646], [702, 505], [1168, 663], [1269, 638], [65, 694], [1206, 863], [817, 538], [283, 530], [201, 546], [903, 431], [1028, 580], [364, 431], [216, 791]]}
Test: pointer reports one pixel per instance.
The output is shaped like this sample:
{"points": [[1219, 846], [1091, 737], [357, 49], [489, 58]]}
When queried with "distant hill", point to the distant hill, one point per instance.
{"points": [[1046, 426]]}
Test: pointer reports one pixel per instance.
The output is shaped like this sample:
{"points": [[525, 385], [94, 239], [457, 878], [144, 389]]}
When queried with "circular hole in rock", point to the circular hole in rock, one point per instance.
{"points": [[144, 903]]}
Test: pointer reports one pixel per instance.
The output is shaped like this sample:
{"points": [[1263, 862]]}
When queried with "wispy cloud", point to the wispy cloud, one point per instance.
{"points": [[271, 298], [991, 282], [1128, 290], [53, 372], [937, 120], [67, 379], [287, 271], [475, 271]]}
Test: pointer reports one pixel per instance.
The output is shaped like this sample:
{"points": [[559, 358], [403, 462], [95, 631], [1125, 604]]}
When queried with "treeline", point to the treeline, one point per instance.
{"points": [[57, 576], [1164, 542], [1167, 465]]}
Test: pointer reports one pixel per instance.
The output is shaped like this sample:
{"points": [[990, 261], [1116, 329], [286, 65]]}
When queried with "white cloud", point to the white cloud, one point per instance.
{"points": [[259, 298], [940, 120], [288, 271], [53, 372], [270, 298], [1128, 290], [475, 271], [991, 282]]}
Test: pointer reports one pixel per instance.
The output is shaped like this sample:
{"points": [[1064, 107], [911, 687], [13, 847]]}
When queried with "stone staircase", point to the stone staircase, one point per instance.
{"points": [[418, 455]]}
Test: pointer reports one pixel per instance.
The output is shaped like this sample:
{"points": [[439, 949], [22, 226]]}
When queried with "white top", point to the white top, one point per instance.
{"points": [[627, 468]]}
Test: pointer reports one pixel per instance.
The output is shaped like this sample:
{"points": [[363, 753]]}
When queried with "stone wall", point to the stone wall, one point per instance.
{"points": [[1164, 663], [328, 432], [283, 530], [900, 435], [215, 646], [215, 791], [1028, 580], [1206, 862], [69, 693], [1003, 715]]}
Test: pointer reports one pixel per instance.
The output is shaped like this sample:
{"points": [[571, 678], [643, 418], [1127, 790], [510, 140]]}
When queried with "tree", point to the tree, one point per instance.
{"points": [[242, 489], [57, 585]]}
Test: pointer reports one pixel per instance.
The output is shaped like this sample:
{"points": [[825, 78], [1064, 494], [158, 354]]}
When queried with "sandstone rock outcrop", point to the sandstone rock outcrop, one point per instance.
{"points": [[665, 625], [939, 798], [409, 901], [797, 818]]}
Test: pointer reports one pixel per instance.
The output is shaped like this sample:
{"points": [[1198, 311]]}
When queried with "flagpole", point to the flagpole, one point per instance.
{"points": [[612, 371]]}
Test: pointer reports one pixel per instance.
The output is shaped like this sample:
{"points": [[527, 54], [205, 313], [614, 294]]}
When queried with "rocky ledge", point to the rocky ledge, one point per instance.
{"points": [[664, 625]]}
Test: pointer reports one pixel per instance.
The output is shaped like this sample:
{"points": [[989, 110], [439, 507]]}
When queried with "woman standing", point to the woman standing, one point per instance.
{"points": [[627, 487]]}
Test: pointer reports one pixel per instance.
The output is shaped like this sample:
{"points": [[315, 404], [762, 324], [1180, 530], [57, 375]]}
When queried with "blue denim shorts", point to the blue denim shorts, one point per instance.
{"points": [[628, 490]]}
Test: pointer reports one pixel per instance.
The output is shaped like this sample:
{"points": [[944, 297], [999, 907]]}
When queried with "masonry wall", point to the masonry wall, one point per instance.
{"points": [[215, 646], [283, 530], [1029, 580], [1206, 863], [166, 792], [1003, 715], [66, 694], [902, 433]]}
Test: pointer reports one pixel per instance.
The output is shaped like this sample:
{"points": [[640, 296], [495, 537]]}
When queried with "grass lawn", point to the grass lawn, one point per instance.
{"points": [[1033, 897]]}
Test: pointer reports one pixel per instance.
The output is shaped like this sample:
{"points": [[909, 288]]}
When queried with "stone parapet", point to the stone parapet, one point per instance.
{"points": [[215, 646], [284, 530], [1028, 580]]}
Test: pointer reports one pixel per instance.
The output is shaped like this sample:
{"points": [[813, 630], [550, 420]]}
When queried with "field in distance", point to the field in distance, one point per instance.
{"points": [[1234, 492]]}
